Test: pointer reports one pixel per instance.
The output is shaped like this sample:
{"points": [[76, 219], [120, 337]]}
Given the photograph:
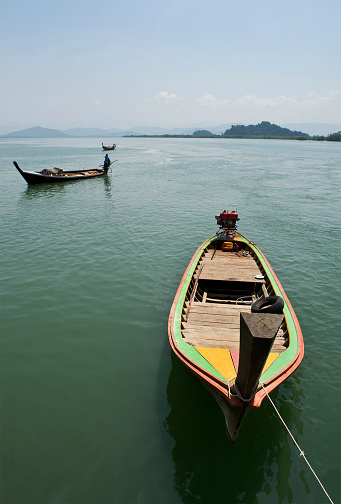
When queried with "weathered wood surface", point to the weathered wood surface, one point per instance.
{"points": [[257, 335], [220, 254], [216, 325], [230, 266]]}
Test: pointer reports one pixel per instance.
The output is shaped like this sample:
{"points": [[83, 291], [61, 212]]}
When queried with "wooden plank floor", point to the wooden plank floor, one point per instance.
{"points": [[216, 325], [230, 266]]}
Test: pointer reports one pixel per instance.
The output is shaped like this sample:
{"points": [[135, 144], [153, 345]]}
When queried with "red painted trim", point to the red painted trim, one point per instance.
{"points": [[235, 358]]}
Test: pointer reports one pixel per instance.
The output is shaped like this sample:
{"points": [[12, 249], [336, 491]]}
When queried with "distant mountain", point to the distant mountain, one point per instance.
{"points": [[36, 132], [106, 134], [16, 130], [39, 132]]}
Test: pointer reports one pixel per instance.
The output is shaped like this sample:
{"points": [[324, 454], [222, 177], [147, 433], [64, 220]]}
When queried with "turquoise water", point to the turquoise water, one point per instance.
{"points": [[94, 408]]}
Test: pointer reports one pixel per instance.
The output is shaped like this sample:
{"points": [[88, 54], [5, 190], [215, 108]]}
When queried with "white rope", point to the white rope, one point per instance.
{"points": [[301, 451]]}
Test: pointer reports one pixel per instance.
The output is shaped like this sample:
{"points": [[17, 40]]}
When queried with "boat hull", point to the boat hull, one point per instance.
{"points": [[32, 177], [234, 415], [201, 356]]}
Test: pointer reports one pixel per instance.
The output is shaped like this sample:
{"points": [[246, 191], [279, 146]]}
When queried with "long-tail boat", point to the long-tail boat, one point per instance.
{"points": [[108, 147], [58, 175], [232, 324]]}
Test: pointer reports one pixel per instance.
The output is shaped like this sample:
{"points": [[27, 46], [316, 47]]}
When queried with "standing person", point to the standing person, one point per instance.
{"points": [[107, 163]]}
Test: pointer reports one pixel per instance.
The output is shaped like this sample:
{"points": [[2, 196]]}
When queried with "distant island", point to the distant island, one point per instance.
{"points": [[36, 132], [263, 130]]}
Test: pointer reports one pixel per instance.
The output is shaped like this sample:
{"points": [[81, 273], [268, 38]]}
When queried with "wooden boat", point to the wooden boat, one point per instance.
{"points": [[108, 147], [232, 324], [58, 175]]}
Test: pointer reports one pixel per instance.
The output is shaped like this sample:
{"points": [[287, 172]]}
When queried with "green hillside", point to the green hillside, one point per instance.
{"points": [[264, 129]]}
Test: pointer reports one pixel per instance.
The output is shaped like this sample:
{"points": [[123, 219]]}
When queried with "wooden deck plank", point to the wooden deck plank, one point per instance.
{"points": [[227, 333], [228, 336], [212, 272], [198, 322], [225, 336], [226, 253], [219, 308], [207, 324], [216, 325], [231, 345], [200, 318], [230, 258], [230, 266]]}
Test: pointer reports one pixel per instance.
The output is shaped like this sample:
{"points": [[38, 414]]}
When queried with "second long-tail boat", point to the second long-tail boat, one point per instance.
{"points": [[47, 176], [108, 147]]}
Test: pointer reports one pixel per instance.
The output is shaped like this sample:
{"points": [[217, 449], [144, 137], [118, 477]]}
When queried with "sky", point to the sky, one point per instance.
{"points": [[180, 63]]}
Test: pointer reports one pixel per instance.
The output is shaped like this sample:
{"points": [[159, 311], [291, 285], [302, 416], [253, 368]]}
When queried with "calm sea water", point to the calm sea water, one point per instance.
{"points": [[94, 408]]}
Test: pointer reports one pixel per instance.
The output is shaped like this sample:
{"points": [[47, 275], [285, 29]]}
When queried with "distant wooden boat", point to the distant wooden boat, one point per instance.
{"points": [[232, 324], [108, 147], [58, 175]]}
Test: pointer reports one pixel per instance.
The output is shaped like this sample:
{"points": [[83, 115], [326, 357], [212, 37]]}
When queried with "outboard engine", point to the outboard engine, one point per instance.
{"points": [[227, 220]]}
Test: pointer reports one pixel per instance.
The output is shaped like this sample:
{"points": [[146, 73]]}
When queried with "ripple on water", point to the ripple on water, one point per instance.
{"points": [[93, 403]]}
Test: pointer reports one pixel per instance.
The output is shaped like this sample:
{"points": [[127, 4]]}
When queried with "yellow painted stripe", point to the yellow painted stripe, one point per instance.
{"points": [[272, 357], [220, 359]]}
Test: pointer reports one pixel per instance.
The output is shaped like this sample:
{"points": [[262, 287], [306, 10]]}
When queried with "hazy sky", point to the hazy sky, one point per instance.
{"points": [[126, 63]]}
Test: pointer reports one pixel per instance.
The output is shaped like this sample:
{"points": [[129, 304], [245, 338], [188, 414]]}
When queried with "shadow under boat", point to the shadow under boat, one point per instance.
{"points": [[207, 467]]}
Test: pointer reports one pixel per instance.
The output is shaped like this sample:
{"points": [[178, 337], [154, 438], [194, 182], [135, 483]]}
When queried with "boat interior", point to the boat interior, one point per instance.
{"points": [[225, 283], [58, 172]]}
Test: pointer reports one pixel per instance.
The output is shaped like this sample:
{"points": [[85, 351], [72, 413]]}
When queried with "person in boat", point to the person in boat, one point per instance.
{"points": [[107, 163]]}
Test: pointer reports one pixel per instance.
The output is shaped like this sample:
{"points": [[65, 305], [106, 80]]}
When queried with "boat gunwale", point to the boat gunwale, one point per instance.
{"points": [[268, 385]]}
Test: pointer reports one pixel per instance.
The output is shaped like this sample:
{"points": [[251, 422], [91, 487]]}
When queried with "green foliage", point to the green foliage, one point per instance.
{"points": [[202, 133], [264, 129], [334, 137]]}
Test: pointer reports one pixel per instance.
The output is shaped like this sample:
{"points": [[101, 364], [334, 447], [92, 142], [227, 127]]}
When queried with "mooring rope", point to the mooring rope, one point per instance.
{"points": [[301, 451]]}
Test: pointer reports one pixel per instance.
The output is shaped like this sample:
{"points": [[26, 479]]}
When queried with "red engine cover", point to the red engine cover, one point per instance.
{"points": [[228, 215]]}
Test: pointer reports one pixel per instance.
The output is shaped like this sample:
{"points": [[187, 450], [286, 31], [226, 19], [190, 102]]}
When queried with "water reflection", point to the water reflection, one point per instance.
{"points": [[107, 185], [208, 468], [34, 191], [43, 190]]}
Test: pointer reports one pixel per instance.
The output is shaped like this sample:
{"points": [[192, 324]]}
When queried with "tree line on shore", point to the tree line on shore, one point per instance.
{"points": [[333, 137], [264, 130]]}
